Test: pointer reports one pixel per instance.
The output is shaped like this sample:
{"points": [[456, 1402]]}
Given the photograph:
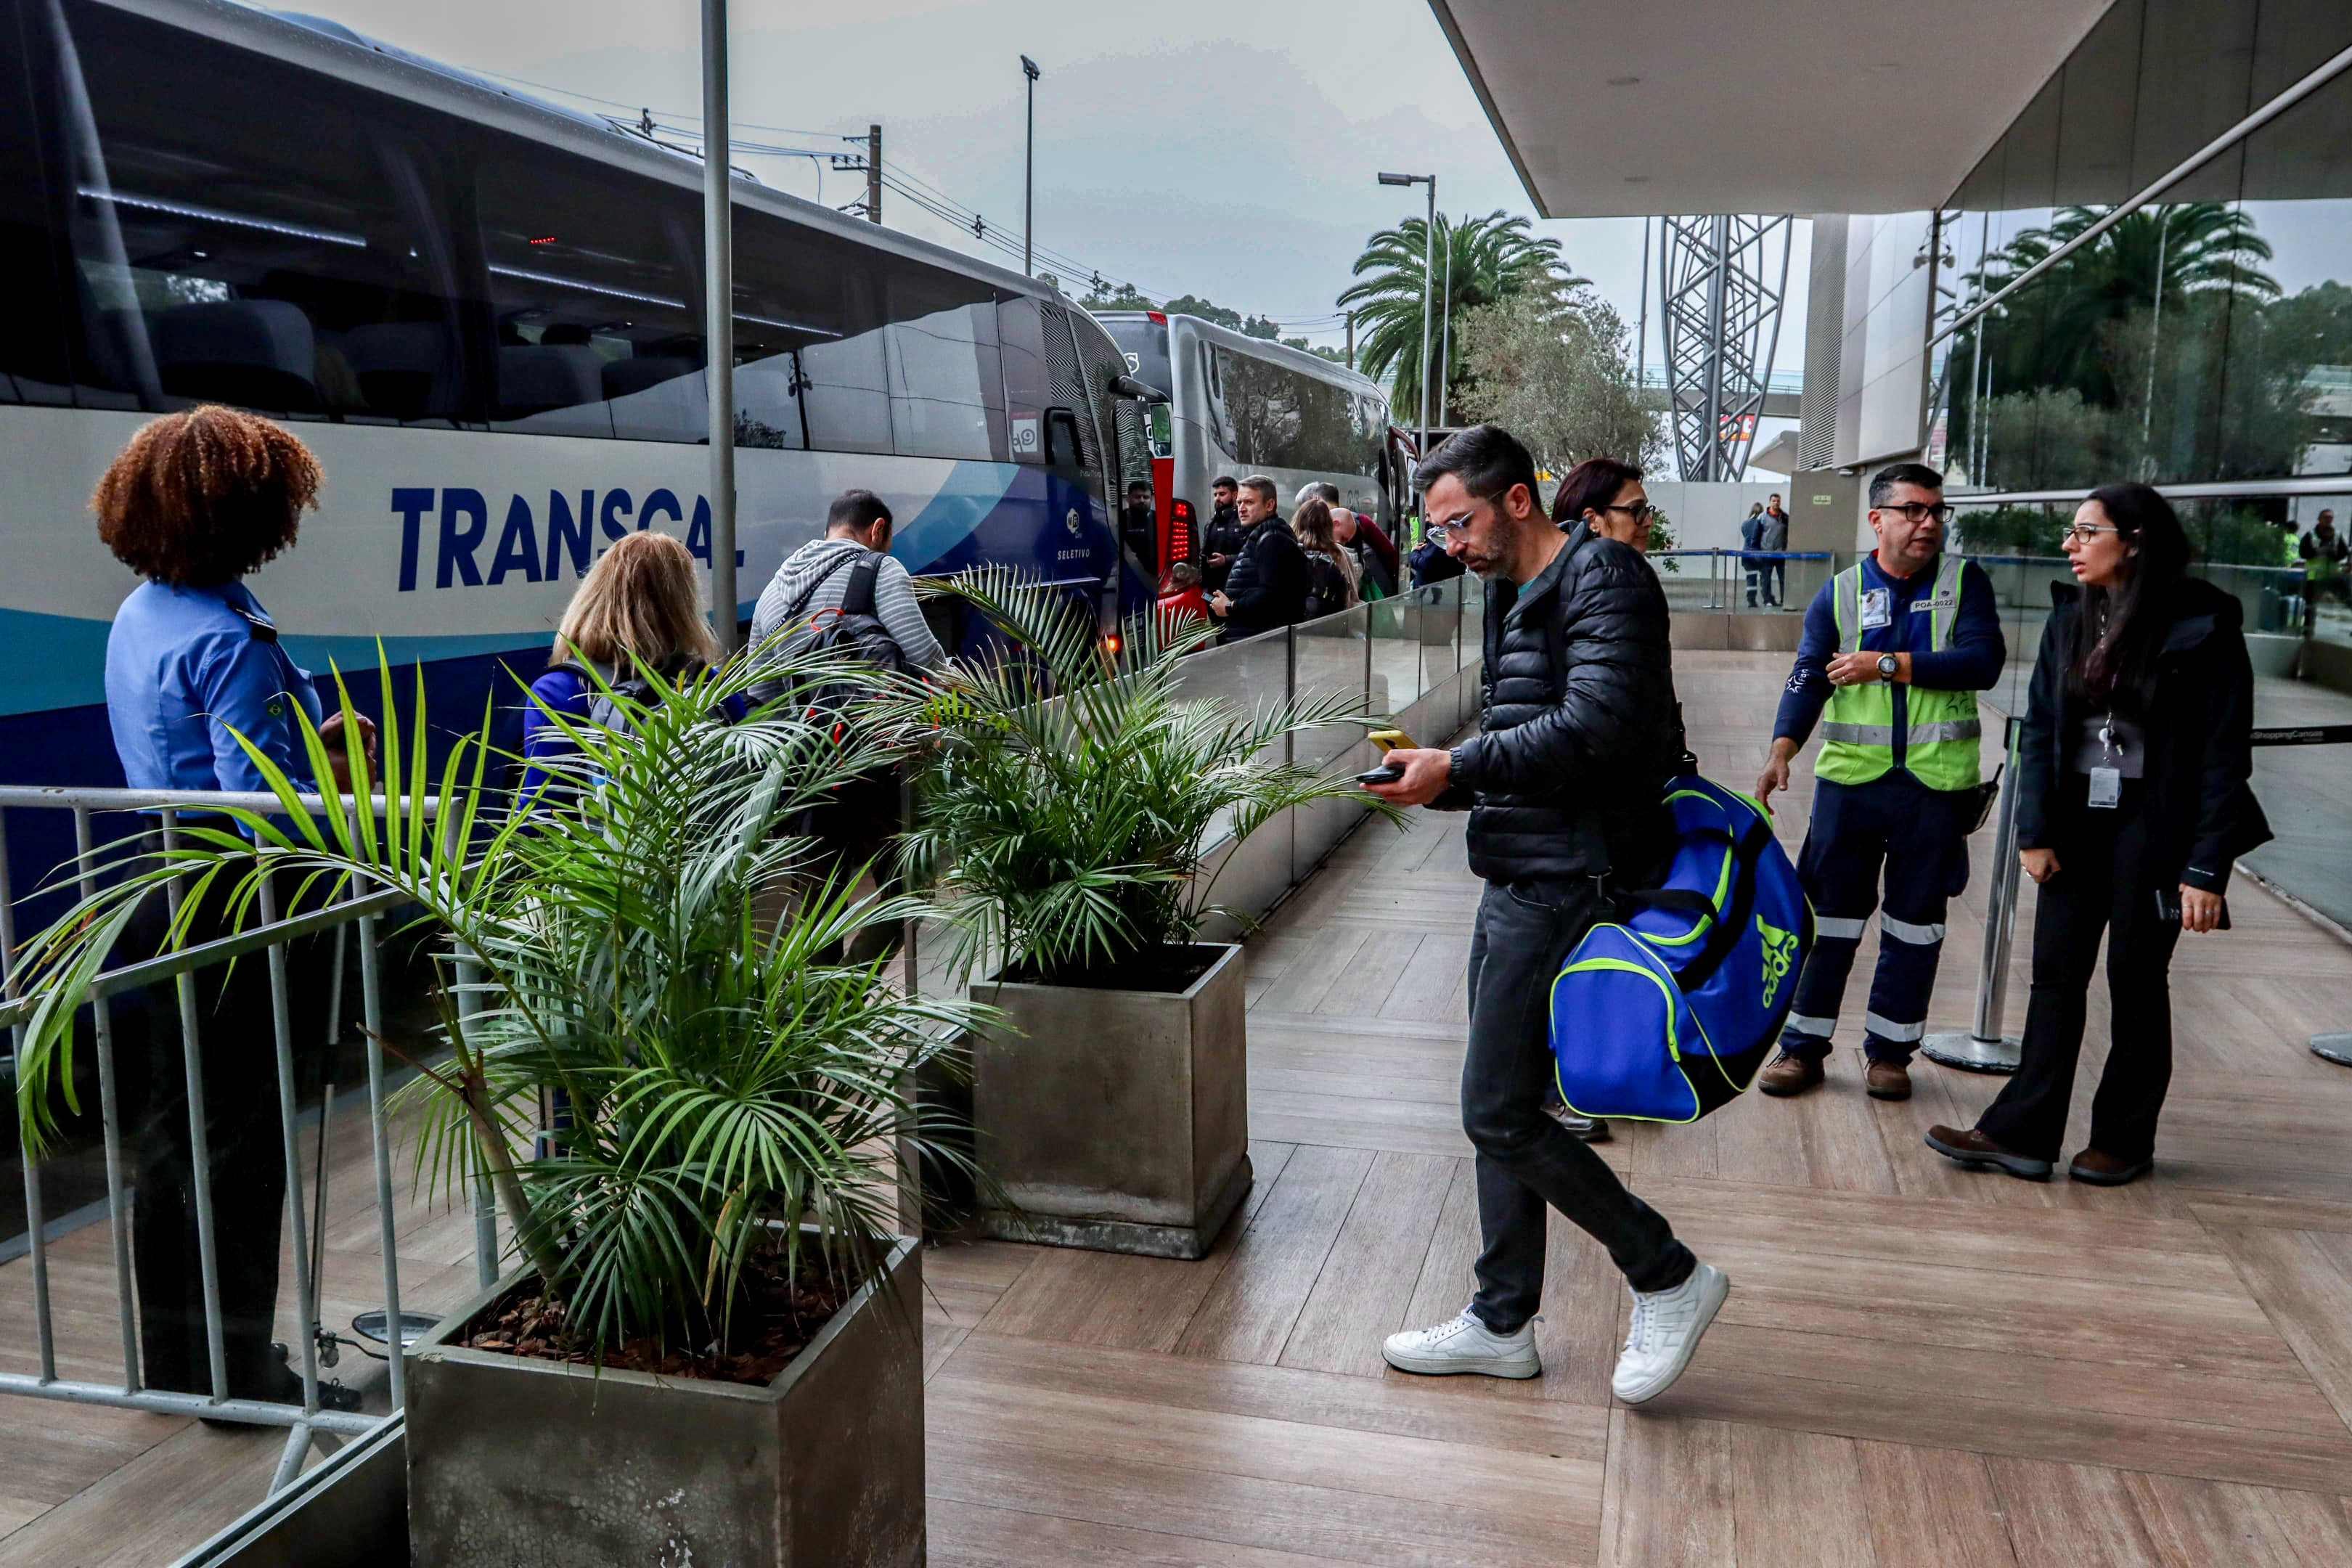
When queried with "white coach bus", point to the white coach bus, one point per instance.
{"points": [[484, 314], [1240, 406]]}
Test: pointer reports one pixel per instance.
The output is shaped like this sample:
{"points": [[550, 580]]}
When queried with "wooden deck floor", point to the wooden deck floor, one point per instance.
{"points": [[1917, 1366]]}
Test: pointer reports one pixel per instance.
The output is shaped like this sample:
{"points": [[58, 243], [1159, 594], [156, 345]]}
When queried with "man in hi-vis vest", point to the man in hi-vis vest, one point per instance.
{"points": [[1895, 649]]}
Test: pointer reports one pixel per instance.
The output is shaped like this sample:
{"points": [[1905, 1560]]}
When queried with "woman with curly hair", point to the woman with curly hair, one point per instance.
{"points": [[198, 500]]}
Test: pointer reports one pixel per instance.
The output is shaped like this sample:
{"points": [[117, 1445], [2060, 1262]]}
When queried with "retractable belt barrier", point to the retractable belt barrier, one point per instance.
{"points": [[1983, 1048]]}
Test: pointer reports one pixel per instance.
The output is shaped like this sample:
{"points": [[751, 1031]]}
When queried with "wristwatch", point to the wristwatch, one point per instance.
{"points": [[1887, 665]]}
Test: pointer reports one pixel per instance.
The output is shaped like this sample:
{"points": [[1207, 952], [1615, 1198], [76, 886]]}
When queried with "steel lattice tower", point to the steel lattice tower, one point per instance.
{"points": [[1721, 320]]}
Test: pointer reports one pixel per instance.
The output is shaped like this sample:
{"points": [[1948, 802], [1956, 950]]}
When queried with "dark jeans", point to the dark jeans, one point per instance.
{"points": [[1525, 1159], [2089, 895], [245, 1151]]}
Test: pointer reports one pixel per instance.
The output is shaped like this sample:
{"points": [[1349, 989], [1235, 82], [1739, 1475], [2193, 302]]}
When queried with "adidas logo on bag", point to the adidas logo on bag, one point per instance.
{"points": [[1779, 956]]}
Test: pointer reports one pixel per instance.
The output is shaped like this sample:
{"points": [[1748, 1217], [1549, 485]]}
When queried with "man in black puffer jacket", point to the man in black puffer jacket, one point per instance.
{"points": [[1563, 785], [1267, 586]]}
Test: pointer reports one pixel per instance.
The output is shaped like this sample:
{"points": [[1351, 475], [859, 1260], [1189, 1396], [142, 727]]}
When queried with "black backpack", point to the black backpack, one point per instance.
{"points": [[853, 628], [1326, 586]]}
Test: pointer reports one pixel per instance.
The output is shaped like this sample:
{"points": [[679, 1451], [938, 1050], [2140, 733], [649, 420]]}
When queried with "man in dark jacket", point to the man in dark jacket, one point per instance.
{"points": [[1563, 785], [1267, 586], [1224, 539]]}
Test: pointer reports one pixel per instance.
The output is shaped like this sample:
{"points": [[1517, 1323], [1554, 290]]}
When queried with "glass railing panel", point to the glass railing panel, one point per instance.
{"points": [[1396, 653], [1331, 664]]}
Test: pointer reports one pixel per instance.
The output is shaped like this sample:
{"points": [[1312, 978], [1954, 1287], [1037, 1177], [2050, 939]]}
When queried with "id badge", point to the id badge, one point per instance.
{"points": [[2106, 788], [1877, 609]]}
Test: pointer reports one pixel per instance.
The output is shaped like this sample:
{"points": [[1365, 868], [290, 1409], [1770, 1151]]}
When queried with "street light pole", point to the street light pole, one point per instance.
{"points": [[1029, 170], [1428, 266], [719, 327]]}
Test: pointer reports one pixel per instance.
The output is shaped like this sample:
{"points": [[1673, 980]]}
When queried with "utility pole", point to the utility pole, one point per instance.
{"points": [[874, 174], [1029, 172], [1641, 329], [719, 327], [1351, 340]]}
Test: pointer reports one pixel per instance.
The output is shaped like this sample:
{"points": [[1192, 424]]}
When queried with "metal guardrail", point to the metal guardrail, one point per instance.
{"points": [[1724, 567], [307, 1422]]}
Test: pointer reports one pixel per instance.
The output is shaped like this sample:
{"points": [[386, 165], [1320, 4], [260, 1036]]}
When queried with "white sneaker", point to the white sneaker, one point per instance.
{"points": [[1665, 1329], [1463, 1343]]}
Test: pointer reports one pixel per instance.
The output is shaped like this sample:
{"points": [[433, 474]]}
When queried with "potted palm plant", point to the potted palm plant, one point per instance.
{"points": [[709, 1348], [1063, 823]]}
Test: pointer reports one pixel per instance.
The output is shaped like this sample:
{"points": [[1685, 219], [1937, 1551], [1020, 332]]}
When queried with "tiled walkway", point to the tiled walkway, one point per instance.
{"points": [[1917, 1366]]}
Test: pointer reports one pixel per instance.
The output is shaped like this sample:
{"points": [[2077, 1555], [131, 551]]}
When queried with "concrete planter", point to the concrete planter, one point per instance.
{"points": [[1115, 1119], [538, 1463]]}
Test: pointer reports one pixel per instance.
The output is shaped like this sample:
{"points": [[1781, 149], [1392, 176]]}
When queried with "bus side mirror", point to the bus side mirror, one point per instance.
{"points": [[1128, 387]]}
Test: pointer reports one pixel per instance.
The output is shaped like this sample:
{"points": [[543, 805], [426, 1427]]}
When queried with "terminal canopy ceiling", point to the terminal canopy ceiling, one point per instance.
{"points": [[1622, 108]]}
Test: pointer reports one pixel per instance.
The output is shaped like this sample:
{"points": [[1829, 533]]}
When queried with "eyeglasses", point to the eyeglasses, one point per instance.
{"points": [[1919, 512], [2080, 532], [1645, 513]]}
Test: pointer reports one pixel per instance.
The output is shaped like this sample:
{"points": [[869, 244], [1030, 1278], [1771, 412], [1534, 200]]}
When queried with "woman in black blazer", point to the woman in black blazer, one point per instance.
{"points": [[2133, 802]]}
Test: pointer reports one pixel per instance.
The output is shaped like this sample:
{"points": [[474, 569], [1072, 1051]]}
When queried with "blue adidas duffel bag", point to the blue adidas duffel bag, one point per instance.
{"points": [[1669, 1013]]}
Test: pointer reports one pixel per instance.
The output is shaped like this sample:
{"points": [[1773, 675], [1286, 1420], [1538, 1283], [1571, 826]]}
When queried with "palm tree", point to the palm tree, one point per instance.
{"points": [[1492, 257]]}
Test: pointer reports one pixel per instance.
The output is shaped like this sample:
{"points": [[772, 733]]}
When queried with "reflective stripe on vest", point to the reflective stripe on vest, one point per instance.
{"points": [[1941, 731]]}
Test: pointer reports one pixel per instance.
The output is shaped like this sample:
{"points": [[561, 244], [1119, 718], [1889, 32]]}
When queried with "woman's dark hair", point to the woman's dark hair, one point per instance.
{"points": [[1589, 486], [2117, 630], [204, 496]]}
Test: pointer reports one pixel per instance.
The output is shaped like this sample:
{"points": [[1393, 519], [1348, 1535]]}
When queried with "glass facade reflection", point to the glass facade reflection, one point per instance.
{"points": [[2202, 338]]}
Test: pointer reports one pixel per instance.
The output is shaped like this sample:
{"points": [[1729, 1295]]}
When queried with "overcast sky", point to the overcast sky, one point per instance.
{"points": [[1224, 148]]}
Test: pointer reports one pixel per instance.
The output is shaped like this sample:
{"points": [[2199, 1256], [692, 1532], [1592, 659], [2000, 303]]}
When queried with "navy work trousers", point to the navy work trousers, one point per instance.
{"points": [[1918, 838]]}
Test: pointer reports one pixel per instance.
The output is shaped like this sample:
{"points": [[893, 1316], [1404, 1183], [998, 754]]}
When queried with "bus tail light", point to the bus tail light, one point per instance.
{"points": [[1180, 531]]}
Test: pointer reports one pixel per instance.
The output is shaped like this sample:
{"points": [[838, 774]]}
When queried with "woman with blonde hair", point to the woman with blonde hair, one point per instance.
{"points": [[639, 604], [1331, 570]]}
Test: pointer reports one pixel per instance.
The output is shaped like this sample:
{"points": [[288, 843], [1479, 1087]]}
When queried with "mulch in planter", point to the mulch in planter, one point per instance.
{"points": [[525, 1321]]}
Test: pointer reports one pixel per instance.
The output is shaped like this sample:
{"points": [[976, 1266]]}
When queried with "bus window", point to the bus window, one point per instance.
{"points": [[947, 387], [276, 246], [595, 291], [1069, 388], [808, 368], [1221, 419], [32, 333], [1041, 428]]}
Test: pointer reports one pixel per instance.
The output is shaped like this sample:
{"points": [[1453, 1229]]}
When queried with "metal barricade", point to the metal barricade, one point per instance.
{"points": [[307, 1422]]}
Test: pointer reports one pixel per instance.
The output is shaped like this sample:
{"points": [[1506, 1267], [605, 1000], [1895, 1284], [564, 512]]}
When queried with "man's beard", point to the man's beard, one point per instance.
{"points": [[1486, 570]]}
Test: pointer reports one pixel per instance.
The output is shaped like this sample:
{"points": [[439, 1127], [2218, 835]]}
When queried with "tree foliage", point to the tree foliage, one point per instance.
{"points": [[1559, 377], [1493, 257]]}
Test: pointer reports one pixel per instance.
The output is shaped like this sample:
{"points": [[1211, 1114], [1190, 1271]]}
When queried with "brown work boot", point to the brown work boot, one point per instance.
{"points": [[1977, 1151], [2106, 1170], [1789, 1074], [1888, 1080]]}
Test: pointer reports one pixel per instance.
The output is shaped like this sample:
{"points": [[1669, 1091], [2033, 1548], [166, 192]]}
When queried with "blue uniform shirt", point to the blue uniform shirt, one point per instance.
{"points": [[182, 669], [1970, 661]]}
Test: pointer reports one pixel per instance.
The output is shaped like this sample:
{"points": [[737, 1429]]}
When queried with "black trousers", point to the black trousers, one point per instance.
{"points": [[1525, 1159], [2089, 895], [245, 1152]]}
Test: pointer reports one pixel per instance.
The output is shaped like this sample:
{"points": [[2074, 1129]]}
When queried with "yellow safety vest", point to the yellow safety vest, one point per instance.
{"points": [[1940, 728]]}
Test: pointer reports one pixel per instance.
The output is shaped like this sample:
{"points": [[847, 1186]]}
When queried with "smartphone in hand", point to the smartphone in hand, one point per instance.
{"points": [[1387, 741]]}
